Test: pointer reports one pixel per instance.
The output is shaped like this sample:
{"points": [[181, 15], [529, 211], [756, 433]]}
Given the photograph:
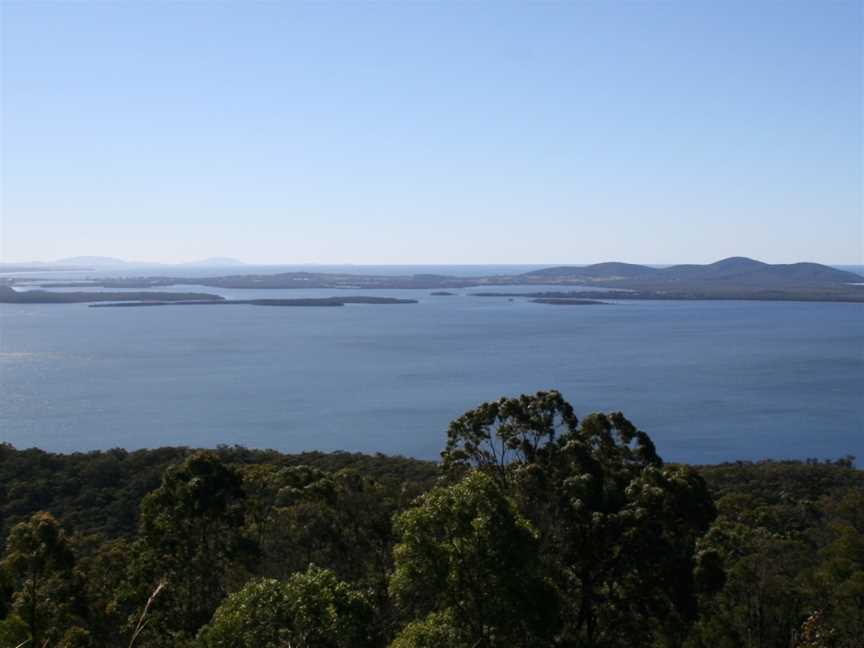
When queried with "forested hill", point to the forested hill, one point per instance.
{"points": [[739, 270], [551, 532]]}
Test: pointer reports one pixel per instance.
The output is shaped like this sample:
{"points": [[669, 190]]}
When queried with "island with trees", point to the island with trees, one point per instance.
{"points": [[568, 301], [8, 295], [534, 529], [304, 301]]}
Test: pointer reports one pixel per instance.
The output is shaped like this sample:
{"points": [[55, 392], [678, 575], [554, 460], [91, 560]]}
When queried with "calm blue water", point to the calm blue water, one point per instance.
{"points": [[709, 381]]}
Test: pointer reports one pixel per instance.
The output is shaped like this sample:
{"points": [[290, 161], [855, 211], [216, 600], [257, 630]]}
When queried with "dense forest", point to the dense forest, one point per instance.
{"points": [[535, 529]]}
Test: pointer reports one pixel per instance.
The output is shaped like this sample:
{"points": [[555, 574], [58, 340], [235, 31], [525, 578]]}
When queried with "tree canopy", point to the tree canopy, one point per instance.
{"points": [[536, 528]]}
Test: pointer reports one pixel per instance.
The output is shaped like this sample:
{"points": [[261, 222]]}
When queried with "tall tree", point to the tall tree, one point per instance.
{"points": [[340, 521], [40, 560], [617, 528], [191, 540], [467, 566]]}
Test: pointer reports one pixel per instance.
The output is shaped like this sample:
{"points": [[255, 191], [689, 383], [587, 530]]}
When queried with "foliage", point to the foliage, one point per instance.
{"points": [[311, 609], [467, 556], [100, 492], [535, 529], [13, 631], [39, 560], [618, 529], [792, 537], [436, 629], [191, 539]]}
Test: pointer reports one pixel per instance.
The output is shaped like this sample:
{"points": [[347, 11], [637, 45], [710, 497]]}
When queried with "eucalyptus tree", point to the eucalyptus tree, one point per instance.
{"points": [[311, 609], [190, 542], [341, 521], [617, 528], [39, 562], [467, 568]]}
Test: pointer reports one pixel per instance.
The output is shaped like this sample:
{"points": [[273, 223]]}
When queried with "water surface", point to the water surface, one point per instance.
{"points": [[709, 381]]}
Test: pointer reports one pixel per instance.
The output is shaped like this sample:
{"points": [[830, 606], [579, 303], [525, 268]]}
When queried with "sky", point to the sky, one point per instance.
{"points": [[432, 132]]}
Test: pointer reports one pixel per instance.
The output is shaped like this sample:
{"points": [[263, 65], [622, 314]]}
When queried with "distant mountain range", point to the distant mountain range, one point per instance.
{"points": [[738, 270]]}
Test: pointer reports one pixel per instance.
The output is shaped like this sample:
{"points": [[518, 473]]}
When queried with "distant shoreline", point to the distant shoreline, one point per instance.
{"points": [[735, 278]]}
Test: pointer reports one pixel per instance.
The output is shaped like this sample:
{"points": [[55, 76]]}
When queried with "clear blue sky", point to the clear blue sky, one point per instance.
{"points": [[452, 132]]}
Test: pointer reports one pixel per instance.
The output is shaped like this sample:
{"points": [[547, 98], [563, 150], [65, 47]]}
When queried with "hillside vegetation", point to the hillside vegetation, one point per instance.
{"points": [[534, 529]]}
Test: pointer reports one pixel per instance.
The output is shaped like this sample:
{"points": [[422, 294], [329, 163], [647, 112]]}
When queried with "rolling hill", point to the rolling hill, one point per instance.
{"points": [[738, 270]]}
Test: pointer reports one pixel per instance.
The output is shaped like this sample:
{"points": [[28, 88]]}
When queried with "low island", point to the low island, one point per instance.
{"points": [[10, 296], [569, 302], [310, 301], [128, 299]]}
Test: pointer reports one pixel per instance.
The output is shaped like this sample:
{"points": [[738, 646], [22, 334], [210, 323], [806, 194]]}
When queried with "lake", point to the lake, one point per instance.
{"points": [[709, 381]]}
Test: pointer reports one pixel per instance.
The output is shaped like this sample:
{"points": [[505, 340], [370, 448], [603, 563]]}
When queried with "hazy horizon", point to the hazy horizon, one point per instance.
{"points": [[432, 134]]}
